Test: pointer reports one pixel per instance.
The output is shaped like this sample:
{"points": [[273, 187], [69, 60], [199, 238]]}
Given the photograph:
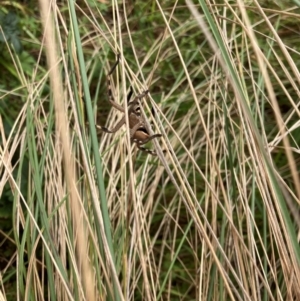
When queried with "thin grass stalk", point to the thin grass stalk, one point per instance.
{"points": [[98, 164]]}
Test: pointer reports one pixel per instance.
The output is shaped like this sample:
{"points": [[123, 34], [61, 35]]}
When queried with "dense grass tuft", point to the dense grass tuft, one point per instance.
{"points": [[215, 216]]}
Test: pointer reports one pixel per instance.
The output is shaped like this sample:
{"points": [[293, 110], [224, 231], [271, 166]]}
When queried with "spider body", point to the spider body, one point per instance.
{"points": [[139, 133]]}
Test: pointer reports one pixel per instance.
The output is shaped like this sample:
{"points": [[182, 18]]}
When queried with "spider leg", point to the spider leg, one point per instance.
{"points": [[146, 150], [129, 94], [138, 97], [148, 139], [116, 128], [109, 91]]}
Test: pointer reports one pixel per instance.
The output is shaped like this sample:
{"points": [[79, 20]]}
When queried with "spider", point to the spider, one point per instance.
{"points": [[137, 125]]}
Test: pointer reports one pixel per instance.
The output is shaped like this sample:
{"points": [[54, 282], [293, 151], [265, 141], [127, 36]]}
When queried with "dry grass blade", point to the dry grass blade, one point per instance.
{"points": [[206, 219]]}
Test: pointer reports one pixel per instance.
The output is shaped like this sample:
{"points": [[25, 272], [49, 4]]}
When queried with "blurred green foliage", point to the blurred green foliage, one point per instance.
{"points": [[10, 31]]}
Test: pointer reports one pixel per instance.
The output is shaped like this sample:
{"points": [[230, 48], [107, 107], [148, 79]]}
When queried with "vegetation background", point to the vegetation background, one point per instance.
{"points": [[215, 215]]}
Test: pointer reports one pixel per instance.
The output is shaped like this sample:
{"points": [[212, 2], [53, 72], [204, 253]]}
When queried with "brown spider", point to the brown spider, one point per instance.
{"points": [[137, 125]]}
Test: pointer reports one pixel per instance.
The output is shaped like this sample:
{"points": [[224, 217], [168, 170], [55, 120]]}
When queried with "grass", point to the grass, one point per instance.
{"points": [[215, 216]]}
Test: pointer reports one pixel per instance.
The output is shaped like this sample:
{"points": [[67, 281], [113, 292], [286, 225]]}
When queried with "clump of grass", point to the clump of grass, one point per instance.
{"points": [[215, 215]]}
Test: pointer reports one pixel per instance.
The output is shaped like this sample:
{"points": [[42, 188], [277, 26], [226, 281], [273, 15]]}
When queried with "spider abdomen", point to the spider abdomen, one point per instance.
{"points": [[140, 135]]}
